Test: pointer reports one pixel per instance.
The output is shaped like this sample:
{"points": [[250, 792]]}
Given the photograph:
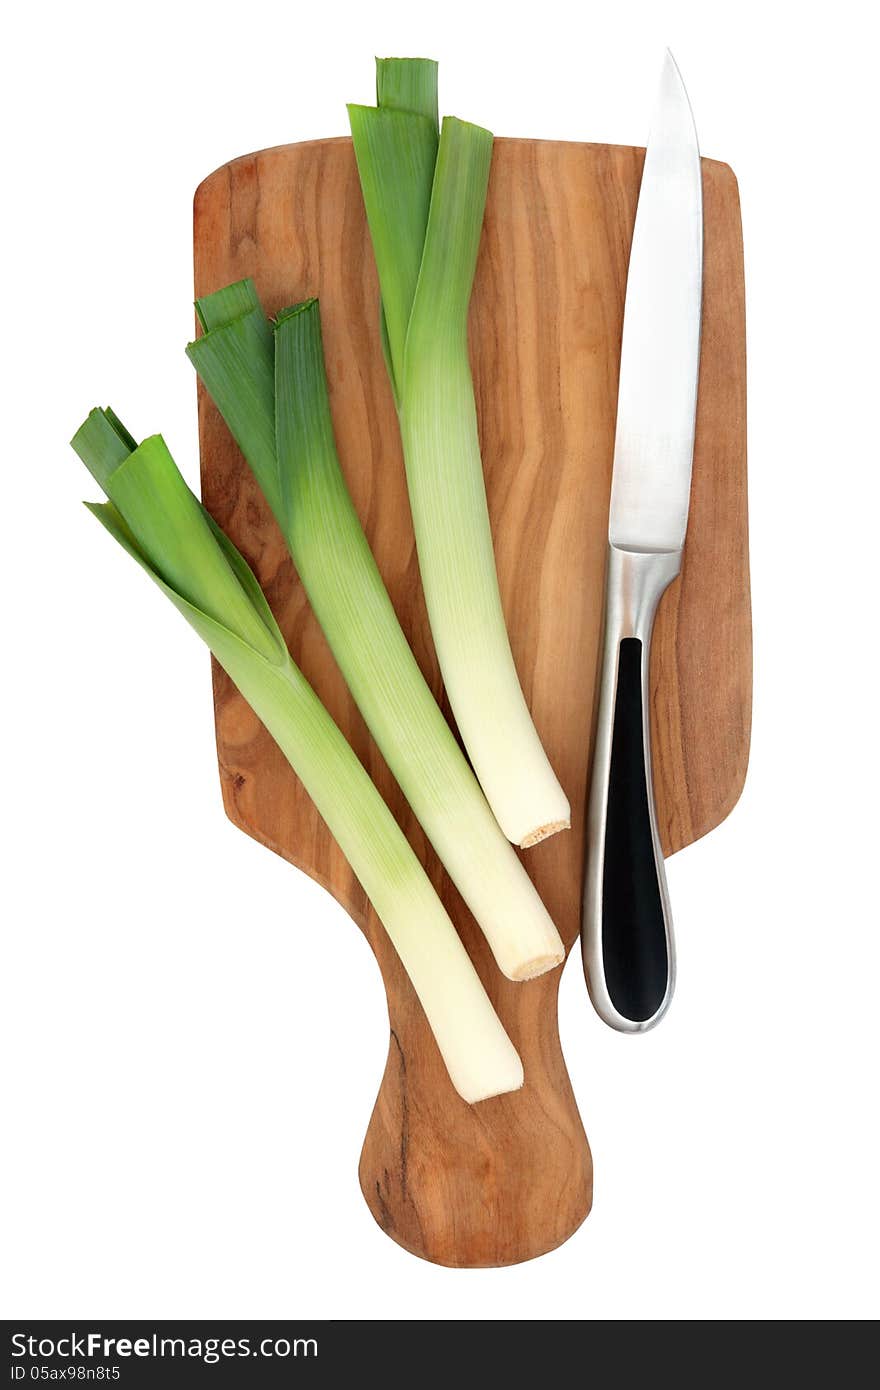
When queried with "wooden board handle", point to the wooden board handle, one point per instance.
{"points": [[446, 1180]]}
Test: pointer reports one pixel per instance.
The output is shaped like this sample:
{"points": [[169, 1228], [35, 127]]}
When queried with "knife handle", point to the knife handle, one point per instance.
{"points": [[626, 929]]}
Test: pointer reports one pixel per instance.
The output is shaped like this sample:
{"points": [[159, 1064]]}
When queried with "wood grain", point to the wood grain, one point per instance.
{"points": [[512, 1177]]}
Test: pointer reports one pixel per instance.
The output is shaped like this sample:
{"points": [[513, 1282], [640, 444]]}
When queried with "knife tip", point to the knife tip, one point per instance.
{"points": [[672, 98], [670, 67]]}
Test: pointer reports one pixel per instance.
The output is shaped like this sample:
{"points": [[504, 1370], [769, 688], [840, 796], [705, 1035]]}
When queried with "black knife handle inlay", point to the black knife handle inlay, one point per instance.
{"points": [[633, 929]]}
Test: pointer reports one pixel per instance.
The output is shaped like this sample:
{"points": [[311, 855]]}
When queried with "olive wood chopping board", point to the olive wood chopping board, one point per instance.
{"points": [[509, 1178]]}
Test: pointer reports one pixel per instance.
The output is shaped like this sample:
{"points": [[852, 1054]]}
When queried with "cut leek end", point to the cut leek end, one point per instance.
{"points": [[512, 1080], [543, 832], [485, 1065], [529, 809], [537, 965]]}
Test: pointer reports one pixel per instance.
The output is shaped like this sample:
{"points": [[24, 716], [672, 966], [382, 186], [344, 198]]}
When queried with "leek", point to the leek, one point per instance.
{"points": [[425, 195], [271, 388], [154, 516]]}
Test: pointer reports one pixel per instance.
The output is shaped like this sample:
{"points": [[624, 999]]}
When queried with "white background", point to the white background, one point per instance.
{"points": [[193, 1031]]}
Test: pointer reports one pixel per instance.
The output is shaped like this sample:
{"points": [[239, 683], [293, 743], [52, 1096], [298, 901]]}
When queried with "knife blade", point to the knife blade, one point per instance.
{"points": [[626, 928]]}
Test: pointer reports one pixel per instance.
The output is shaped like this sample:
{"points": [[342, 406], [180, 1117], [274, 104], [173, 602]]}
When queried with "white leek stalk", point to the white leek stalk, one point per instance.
{"points": [[425, 200], [154, 516]]}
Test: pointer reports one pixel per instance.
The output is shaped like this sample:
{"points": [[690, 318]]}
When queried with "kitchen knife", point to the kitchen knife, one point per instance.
{"points": [[626, 930]]}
